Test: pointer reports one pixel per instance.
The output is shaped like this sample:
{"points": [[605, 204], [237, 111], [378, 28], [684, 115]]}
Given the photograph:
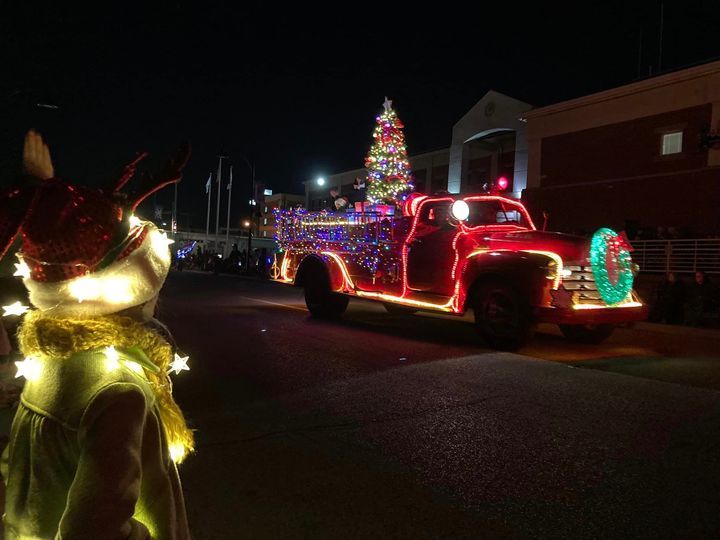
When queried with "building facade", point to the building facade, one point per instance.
{"points": [[487, 142], [636, 157], [266, 227]]}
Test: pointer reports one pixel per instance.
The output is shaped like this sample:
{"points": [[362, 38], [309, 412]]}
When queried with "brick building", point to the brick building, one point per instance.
{"points": [[634, 157]]}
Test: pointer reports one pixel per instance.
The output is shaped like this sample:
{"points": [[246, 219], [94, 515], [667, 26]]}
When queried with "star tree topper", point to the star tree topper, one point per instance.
{"points": [[387, 104]]}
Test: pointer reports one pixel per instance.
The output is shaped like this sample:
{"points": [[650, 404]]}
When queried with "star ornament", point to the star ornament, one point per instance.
{"points": [[179, 364], [22, 270], [167, 240], [562, 298], [15, 309], [387, 104], [29, 368]]}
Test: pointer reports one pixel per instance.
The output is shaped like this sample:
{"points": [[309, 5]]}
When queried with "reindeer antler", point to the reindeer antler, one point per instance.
{"points": [[169, 174], [14, 206], [129, 171]]}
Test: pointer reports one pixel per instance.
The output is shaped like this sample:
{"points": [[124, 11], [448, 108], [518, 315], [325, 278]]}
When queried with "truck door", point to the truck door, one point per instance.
{"points": [[430, 250]]}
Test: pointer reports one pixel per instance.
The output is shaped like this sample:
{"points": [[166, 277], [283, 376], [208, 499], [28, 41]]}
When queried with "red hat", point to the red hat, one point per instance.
{"points": [[84, 253]]}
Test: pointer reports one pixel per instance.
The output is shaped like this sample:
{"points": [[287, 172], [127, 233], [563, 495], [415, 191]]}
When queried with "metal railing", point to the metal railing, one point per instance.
{"points": [[679, 255]]}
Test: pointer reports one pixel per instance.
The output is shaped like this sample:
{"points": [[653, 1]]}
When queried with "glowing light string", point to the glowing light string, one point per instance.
{"points": [[608, 249]]}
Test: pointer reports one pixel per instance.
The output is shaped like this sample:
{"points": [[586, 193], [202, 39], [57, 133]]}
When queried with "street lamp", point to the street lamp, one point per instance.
{"points": [[246, 223], [321, 181]]}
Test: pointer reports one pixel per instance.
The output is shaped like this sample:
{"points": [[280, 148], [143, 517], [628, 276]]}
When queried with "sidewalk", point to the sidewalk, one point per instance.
{"points": [[678, 329]]}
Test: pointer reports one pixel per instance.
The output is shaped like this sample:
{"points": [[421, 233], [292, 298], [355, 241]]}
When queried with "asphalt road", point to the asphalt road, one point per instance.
{"points": [[395, 426]]}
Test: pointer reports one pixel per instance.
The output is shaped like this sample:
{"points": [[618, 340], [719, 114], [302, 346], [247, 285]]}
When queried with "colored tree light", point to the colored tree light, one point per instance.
{"points": [[388, 168], [502, 183]]}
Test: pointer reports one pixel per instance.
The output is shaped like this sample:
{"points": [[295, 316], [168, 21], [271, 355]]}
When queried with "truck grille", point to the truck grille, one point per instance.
{"points": [[582, 282]]}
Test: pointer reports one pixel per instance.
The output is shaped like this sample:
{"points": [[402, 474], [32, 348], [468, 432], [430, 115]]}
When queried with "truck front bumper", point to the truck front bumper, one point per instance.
{"points": [[632, 312]]}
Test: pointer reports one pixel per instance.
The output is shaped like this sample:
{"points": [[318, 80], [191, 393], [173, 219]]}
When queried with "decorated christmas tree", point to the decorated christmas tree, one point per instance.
{"points": [[388, 177]]}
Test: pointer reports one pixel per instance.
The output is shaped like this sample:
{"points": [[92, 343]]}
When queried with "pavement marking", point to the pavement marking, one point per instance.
{"points": [[273, 303]]}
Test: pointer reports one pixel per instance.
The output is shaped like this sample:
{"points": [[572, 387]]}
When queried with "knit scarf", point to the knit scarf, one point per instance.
{"points": [[59, 338]]}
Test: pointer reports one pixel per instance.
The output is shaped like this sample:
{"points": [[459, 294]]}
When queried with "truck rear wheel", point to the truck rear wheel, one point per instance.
{"points": [[587, 333], [502, 316], [321, 301]]}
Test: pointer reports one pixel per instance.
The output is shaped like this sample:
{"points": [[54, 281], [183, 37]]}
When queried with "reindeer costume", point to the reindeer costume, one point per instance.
{"points": [[96, 434]]}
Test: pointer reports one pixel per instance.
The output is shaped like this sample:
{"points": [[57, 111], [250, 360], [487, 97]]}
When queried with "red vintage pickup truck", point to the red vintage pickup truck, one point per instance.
{"points": [[453, 254]]}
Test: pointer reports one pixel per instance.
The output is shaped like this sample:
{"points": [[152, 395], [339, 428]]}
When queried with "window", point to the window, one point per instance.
{"points": [[265, 221], [265, 211], [672, 143], [494, 213], [435, 214]]}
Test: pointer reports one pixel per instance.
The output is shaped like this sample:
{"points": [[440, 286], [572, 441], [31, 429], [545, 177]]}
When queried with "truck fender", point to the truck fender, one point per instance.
{"points": [[526, 272], [313, 265]]}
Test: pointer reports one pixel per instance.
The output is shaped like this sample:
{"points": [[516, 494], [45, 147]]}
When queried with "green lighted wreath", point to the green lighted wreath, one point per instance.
{"points": [[611, 265]]}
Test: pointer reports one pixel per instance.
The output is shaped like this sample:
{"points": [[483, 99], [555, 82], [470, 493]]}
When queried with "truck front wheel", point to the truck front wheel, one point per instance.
{"points": [[587, 333], [321, 301], [502, 316]]}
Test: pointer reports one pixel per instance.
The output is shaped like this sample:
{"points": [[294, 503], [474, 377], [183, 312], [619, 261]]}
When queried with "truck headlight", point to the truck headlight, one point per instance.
{"points": [[460, 210]]}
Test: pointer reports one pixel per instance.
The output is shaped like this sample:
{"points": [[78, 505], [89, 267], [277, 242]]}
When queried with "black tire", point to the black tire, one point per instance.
{"points": [[587, 333], [502, 316], [320, 300], [397, 309]]}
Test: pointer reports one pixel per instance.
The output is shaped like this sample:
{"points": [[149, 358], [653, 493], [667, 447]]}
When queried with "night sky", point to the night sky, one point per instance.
{"points": [[296, 88]]}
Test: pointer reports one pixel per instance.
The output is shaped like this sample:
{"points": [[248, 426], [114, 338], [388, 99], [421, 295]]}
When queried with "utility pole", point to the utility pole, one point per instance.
{"points": [[217, 217]]}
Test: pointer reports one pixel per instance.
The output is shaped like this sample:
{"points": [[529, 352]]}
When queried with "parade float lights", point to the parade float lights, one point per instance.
{"points": [[365, 239], [388, 167], [347, 239], [611, 265]]}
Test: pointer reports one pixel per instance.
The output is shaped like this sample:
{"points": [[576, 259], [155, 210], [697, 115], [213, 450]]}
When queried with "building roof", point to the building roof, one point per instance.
{"points": [[651, 83]]}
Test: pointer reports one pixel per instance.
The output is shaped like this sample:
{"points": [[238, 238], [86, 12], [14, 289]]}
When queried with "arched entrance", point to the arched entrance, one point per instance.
{"points": [[489, 142], [489, 154]]}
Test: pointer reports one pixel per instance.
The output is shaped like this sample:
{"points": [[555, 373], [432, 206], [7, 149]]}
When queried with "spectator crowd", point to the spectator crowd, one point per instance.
{"points": [[695, 304]]}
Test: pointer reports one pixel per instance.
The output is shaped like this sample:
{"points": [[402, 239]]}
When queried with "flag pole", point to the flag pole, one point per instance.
{"points": [[219, 196], [227, 228], [208, 190]]}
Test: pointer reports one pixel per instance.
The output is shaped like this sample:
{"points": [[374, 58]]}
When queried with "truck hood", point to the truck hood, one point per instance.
{"points": [[570, 248]]}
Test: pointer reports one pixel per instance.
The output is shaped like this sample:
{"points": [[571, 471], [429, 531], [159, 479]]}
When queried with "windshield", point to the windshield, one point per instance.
{"points": [[495, 212]]}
